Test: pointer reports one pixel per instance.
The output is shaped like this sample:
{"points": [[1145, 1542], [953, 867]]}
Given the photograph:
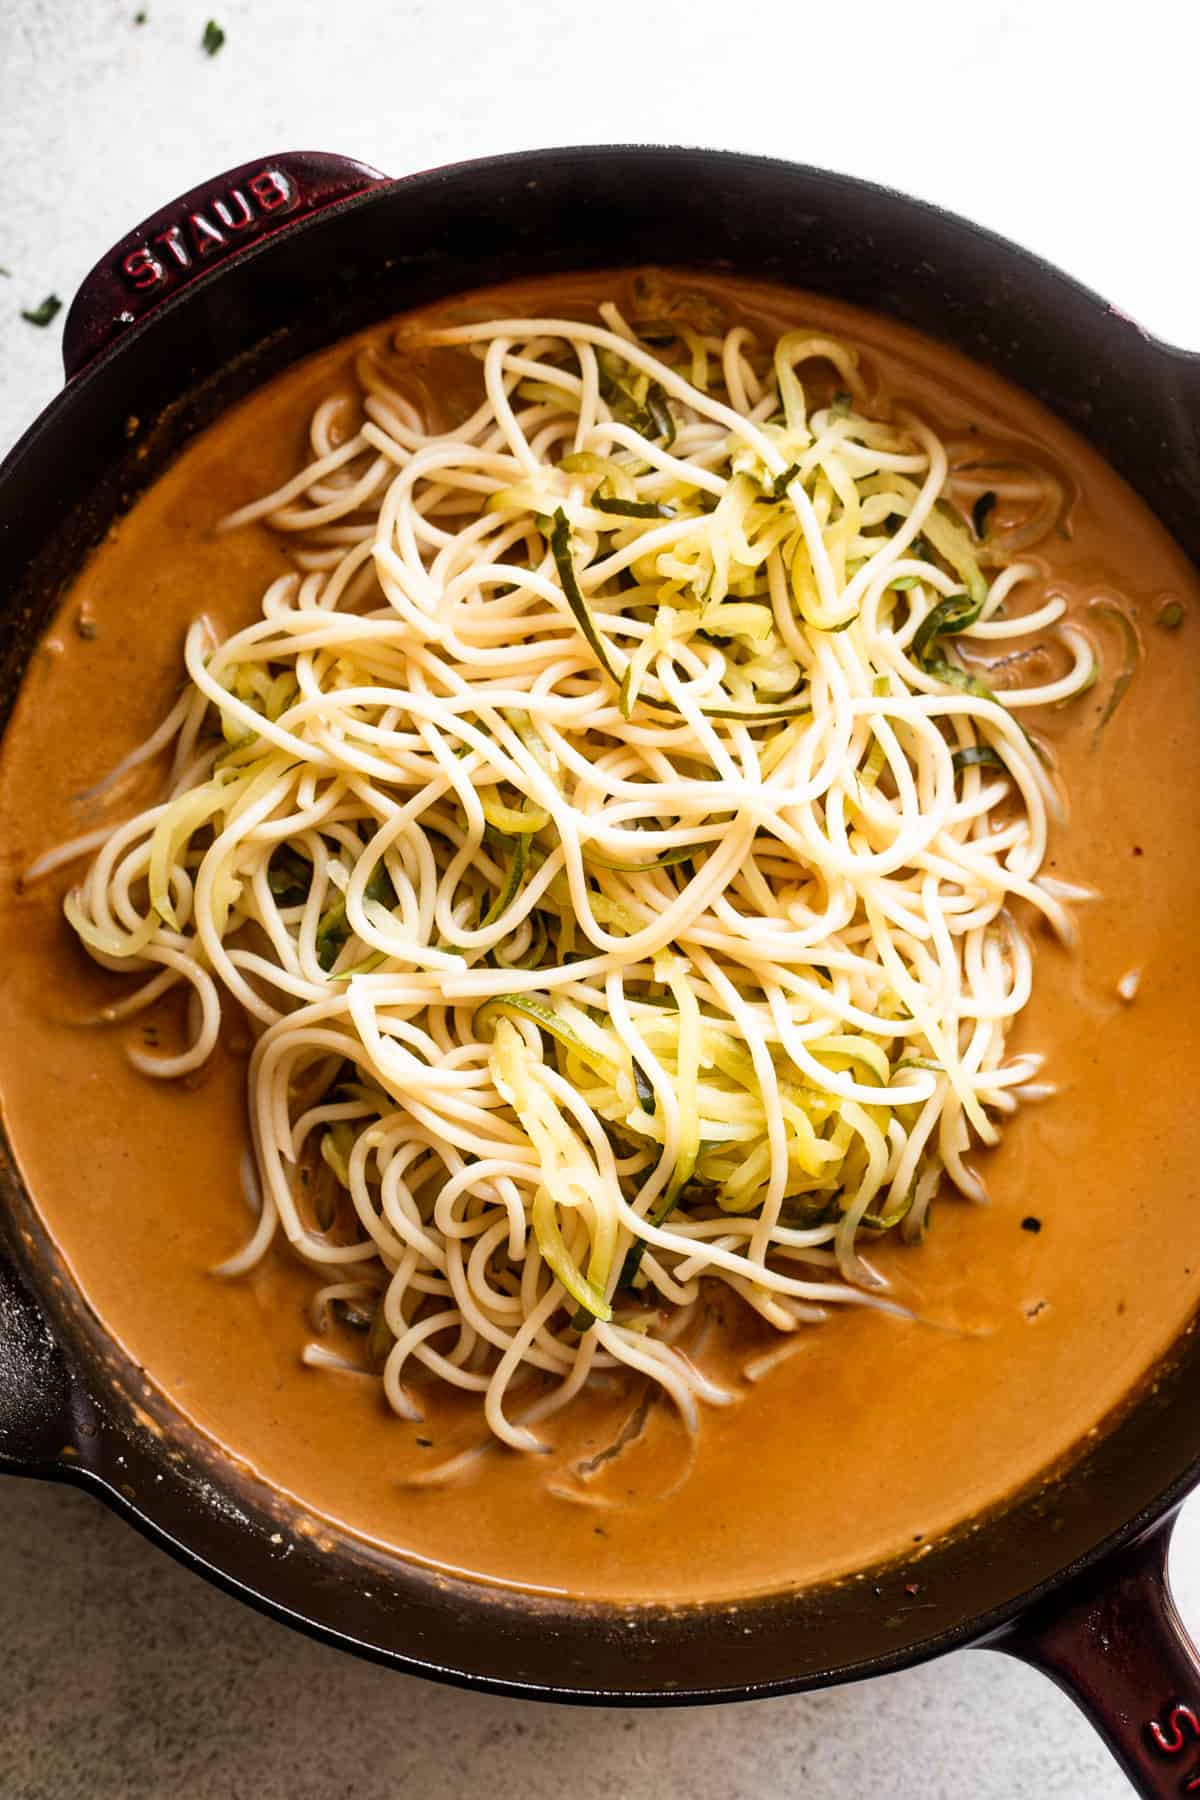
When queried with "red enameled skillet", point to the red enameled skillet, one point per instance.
{"points": [[216, 293]]}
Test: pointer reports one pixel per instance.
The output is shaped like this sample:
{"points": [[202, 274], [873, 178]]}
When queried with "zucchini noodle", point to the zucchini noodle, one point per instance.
{"points": [[615, 838]]}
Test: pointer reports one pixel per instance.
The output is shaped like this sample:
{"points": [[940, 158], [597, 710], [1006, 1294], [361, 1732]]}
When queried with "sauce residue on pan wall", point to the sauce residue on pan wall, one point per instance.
{"points": [[874, 1433]]}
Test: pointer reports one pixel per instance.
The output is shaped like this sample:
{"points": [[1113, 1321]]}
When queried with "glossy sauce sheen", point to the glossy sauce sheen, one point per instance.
{"points": [[878, 1433]]}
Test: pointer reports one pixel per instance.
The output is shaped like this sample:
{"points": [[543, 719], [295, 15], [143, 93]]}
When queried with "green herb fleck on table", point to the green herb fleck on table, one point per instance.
{"points": [[213, 38], [140, 16], [42, 314]]}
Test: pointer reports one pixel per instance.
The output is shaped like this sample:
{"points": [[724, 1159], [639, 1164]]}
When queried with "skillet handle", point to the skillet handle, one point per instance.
{"points": [[1116, 1644], [212, 224], [37, 1396]]}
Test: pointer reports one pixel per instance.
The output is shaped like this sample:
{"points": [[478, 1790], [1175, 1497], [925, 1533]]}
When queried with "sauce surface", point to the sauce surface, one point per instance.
{"points": [[1038, 1312]]}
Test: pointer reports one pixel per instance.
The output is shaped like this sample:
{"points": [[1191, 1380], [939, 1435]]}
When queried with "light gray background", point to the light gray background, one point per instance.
{"points": [[1071, 127]]}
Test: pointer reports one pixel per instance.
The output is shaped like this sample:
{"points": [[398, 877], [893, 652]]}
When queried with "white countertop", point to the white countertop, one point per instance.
{"points": [[1068, 126]]}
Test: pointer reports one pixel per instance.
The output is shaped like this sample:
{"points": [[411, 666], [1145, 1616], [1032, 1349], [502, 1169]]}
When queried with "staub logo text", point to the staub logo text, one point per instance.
{"points": [[207, 233]]}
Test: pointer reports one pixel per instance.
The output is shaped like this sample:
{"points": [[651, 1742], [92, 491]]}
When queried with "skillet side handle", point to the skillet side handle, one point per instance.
{"points": [[210, 225], [1116, 1644], [37, 1396]]}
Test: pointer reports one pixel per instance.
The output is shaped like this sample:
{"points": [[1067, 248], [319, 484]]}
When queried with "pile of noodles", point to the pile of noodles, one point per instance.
{"points": [[611, 833]]}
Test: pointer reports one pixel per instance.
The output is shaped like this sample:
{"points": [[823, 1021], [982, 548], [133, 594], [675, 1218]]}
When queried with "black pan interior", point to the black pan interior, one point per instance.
{"points": [[72, 1412]]}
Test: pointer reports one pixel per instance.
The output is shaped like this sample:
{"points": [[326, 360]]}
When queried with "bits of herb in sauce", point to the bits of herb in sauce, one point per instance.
{"points": [[982, 511]]}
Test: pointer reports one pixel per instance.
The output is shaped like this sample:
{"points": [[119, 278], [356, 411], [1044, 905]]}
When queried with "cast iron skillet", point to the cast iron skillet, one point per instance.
{"points": [[213, 295]]}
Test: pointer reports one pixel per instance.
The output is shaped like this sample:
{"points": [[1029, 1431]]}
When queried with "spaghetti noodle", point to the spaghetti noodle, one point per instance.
{"points": [[611, 845]]}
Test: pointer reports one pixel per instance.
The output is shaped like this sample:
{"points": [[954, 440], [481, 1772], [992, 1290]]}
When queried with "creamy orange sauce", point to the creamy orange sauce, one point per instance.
{"points": [[878, 1432]]}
